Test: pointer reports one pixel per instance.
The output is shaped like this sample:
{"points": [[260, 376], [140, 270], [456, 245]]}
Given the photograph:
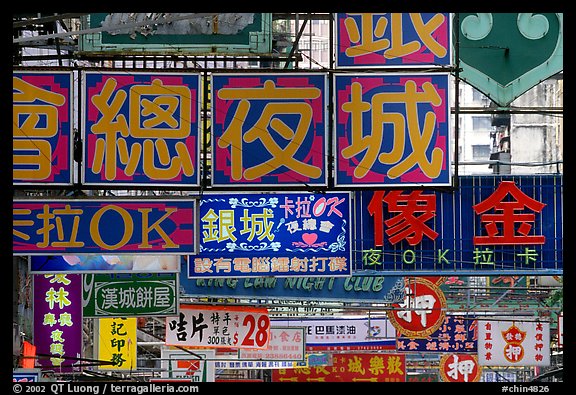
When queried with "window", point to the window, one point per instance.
{"points": [[481, 152], [481, 123]]}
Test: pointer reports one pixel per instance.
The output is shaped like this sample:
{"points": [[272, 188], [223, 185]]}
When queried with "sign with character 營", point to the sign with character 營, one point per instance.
{"points": [[280, 234]]}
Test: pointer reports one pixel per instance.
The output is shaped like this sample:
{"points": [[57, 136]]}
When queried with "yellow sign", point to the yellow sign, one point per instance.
{"points": [[116, 339]]}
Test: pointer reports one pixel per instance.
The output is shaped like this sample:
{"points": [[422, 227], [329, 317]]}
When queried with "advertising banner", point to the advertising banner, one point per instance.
{"points": [[95, 263], [179, 364], [381, 367], [345, 334], [392, 129], [286, 344], [141, 129], [490, 225], [513, 343], [460, 368], [116, 343], [269, 129], [42, 127], [219, 327], [58, 321], [130, 295], [274, 234], [74, 226], [381, 289], [366, 40]]}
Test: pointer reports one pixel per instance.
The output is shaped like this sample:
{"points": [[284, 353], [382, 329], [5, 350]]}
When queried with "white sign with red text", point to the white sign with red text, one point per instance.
{"points": [[286, 344], [219, 327], [513, 343]]}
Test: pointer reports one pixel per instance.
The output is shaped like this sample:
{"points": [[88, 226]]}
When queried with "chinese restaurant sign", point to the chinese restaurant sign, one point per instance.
{"points": [[117, 343], [130, 294], [513, 343], [423, 310], [283, 235], [367, 40], [141, 129], [456, 334], [96, 263], [58, 321], [349, 368], [345, 334], [382, 289], [219, 327], [269, 129], [42, 127], [97, 226], [286, 344], [489, 225], [392, 129], [460, 368]]}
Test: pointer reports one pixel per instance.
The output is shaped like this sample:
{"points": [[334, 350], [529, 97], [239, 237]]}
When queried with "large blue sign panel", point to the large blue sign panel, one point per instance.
{"points": [[366, 40], [141, 129], [392, 129], [269, 129], [42, 126], [488, 225], [280, 234]]}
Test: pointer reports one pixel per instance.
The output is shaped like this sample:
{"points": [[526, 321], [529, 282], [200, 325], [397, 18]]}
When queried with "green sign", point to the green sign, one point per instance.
{"points": [[130, 294], [503, 55]]}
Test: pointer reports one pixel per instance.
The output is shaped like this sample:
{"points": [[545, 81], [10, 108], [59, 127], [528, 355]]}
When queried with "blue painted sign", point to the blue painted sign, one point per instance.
{"points": [[269, 129], [279, 234], [489, 225], [456, 334], [382, 289], [392, 129], [367, 40]]}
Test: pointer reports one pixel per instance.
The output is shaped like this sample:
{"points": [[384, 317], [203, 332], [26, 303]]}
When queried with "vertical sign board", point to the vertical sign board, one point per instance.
{"points": [[116, 343], [42, 128], [58, 321], [371, 40], [68, 226], [141, 129], [513, 343], [269, 130], [279, 234], [491, 225], [392, 129], [130, 294]]}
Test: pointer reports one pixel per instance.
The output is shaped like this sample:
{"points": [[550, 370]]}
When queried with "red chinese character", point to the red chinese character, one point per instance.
{"points": [[508, 215]]}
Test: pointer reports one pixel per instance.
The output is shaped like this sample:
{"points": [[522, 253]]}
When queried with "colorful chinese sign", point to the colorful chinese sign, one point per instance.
{"points": [[505, 54], [130, 294], [513, 343], [345, 334], [117, 343], [286, 344], [460, 368], [95, 263], [366, 40], [349, 368], [283, 234], [141, 129], [392, 129], [58, 321], [269, 129], [219, 327], [423, 310], [382, 289], [456, 334], [98, 226], [489, 225], [42, 127]]}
